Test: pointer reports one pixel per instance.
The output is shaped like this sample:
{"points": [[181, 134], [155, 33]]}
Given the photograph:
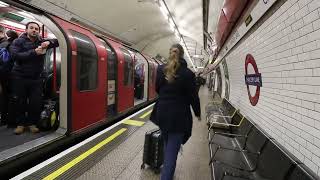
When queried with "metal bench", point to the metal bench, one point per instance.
{"points": [[259, 157]]}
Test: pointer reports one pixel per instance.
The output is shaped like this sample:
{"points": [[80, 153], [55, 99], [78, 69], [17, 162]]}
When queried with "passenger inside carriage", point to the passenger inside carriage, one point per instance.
{"points": [[6, 39], [28, 53], [15, 20]]}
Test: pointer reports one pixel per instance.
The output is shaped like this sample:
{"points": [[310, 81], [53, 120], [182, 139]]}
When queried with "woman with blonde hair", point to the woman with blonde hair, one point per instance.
{"points": [[176, 88]]}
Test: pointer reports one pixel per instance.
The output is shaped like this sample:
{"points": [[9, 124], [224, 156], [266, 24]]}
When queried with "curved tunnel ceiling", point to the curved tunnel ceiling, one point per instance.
{"points": [[141, 23]]}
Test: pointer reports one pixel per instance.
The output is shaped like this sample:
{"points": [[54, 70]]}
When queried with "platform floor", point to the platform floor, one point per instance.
{"points": [[10, 140], [121, 157], [124, 162]]}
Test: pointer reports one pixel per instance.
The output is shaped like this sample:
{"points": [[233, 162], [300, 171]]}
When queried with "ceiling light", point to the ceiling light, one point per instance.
{"points": [[163, 10], [13, 24], [197, 56], [172, 27], [25, 14], [177, 35]]}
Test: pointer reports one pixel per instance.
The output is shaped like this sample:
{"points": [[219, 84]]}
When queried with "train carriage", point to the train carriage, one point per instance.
{"points": [[90, 78]]}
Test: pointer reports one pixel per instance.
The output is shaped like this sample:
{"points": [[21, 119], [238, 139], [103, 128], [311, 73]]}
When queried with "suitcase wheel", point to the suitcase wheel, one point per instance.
{"points": [[142, 166]]}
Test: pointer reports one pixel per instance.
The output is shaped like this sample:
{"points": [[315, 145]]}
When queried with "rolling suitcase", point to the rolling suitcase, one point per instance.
{"points": [[153, 150]]}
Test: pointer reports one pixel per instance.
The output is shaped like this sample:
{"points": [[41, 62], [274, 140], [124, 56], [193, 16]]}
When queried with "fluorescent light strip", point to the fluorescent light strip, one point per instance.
{"points": [[165, 11], [10, 23], [178, 35]]}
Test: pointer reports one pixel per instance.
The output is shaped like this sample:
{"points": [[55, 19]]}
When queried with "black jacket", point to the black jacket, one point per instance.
{"points": [[173, 108], [5, 68], [27, 63]]}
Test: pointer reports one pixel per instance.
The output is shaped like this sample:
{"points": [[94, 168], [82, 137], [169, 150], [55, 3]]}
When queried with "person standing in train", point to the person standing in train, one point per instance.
{"points": [[175, 85], [28, 51], [3, 44], [5, 69]]}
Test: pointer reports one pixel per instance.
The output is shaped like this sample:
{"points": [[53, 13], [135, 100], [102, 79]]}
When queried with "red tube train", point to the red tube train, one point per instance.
{"points": [[90, 79]]}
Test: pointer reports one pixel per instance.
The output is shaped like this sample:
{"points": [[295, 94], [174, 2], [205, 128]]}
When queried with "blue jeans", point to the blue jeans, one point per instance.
{"points": [[172, 143]]}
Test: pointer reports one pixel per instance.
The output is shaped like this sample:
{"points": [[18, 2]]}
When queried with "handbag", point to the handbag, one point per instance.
{"points": [[153, 116]]}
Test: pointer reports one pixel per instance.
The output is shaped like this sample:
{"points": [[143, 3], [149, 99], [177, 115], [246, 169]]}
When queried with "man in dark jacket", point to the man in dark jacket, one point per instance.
{"points": [[28, 52], [175, 85]]}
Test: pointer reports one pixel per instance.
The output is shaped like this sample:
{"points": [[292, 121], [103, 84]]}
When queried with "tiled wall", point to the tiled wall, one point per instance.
{"points": [[286, 47]]}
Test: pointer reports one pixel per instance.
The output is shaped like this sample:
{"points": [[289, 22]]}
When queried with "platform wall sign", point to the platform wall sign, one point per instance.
{"points": [[253, 79]]}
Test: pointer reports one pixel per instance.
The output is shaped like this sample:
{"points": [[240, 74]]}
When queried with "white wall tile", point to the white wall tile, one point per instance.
{"points": [[317, 108], [308, 105], [297, 25], [295, 35], [315, 4], [287, 51], [311, 17], [306, 29], [302, 13], [316, 24], [311, 165], [310, 46], [303, 3]]}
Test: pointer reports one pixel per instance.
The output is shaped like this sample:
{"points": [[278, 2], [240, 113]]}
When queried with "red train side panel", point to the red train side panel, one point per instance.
{"points": [[87, 106]]}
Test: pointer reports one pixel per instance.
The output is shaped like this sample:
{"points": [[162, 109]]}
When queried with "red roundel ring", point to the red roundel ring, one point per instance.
{"points": [[250, 60]]}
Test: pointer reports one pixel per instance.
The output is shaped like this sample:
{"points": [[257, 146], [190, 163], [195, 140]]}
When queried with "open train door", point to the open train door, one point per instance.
{"points": [[112, 74], [152, 78], [124, 79], [126, 82], [86, 76]]}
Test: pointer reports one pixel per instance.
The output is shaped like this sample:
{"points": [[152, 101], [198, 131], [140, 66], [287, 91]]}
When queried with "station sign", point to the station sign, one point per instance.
{"points": [[253, 79]]}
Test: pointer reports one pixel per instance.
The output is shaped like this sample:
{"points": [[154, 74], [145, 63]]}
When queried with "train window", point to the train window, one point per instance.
{"points": [[128, 68], [87, 62], [112, 60], [48, 66]]}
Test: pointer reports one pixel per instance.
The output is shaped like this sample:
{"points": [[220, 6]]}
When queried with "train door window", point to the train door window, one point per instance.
{"points": [[87, 62], [112, 60], [48, 71], [112, 75], [128, 68]]}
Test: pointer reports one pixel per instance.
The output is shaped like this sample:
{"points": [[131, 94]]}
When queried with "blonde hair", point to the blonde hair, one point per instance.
{"points": [[171, 68]]}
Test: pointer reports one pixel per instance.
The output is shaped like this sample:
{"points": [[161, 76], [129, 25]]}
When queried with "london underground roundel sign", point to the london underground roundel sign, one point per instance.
{"points": [[253, 79]]}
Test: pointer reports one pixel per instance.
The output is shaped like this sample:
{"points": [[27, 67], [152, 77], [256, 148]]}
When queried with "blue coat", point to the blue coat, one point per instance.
{"points": [[27, 63], [173, 108]]}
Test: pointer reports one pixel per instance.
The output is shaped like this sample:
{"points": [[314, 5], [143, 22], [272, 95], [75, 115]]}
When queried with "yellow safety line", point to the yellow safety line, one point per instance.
{"points": [[75, 161], [133, 122], [145, 114]]}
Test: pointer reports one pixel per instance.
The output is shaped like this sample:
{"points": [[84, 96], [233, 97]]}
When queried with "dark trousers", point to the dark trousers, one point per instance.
{"points": [[27, 98], [198, 88], [172, 143], [4, 100]]}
